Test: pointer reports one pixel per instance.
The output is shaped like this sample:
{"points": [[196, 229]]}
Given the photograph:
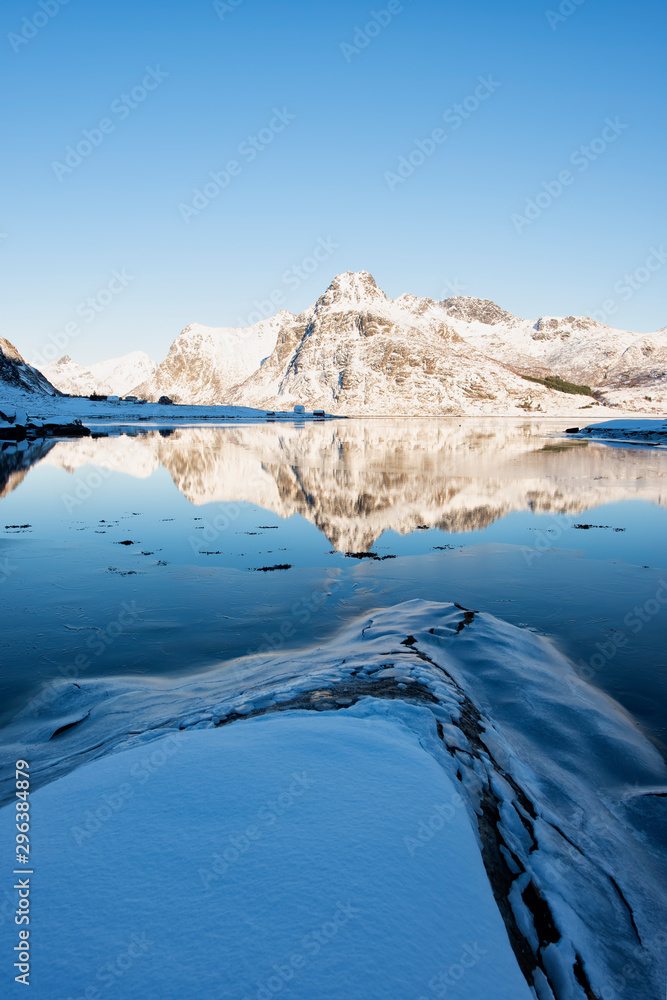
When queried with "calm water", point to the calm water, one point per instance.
{"points": [[364, 514]]}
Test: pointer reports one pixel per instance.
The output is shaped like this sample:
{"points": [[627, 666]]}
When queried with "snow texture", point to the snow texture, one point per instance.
{"points": [[565, 796], [271, 854], [205, 362], [39, 406], [358, 352]]}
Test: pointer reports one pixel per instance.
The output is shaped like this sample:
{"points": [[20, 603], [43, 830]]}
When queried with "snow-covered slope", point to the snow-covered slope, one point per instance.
{"points": [[17, 378], [575, 348], [205, 362], [358, 352], [116, 376]]}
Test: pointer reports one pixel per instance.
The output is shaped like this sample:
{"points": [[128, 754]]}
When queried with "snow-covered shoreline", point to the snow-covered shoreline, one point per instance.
{"points": [[63, 410], [67, 409], [562, 790], [626, 429]]}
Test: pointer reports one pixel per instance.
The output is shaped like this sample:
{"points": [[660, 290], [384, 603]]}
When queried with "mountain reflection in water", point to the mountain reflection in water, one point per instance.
{"points": [[356, 479]]}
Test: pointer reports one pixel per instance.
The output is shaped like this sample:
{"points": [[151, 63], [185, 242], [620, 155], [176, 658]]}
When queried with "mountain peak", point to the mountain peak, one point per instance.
{"points": [[9, 350], [470, 309], [350, 290]]}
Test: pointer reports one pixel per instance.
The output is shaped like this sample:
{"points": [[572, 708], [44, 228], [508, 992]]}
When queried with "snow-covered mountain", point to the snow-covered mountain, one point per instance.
{"points": [[17, 377], [205, 362], [117, 376], [575, 347], [358, 352]]}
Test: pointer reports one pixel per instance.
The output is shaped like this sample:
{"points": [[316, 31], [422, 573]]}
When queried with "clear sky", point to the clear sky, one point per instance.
{"points": [[325, 169]]}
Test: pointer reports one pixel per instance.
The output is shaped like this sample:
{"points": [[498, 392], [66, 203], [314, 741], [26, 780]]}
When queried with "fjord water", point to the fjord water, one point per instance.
{"points": [[156, 553]]}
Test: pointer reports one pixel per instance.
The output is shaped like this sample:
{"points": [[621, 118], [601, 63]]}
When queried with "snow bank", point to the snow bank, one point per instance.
{"points": [[628, 429], [566, 797], [273, 854]]}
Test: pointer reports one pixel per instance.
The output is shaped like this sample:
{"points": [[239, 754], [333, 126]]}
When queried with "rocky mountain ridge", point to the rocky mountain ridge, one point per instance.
{"points": [[17, 376], [358, 352], [204, 363]]}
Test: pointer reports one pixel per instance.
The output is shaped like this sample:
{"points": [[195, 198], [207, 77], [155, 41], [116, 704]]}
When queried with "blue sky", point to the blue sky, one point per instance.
{"points": [[325, 171]]}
